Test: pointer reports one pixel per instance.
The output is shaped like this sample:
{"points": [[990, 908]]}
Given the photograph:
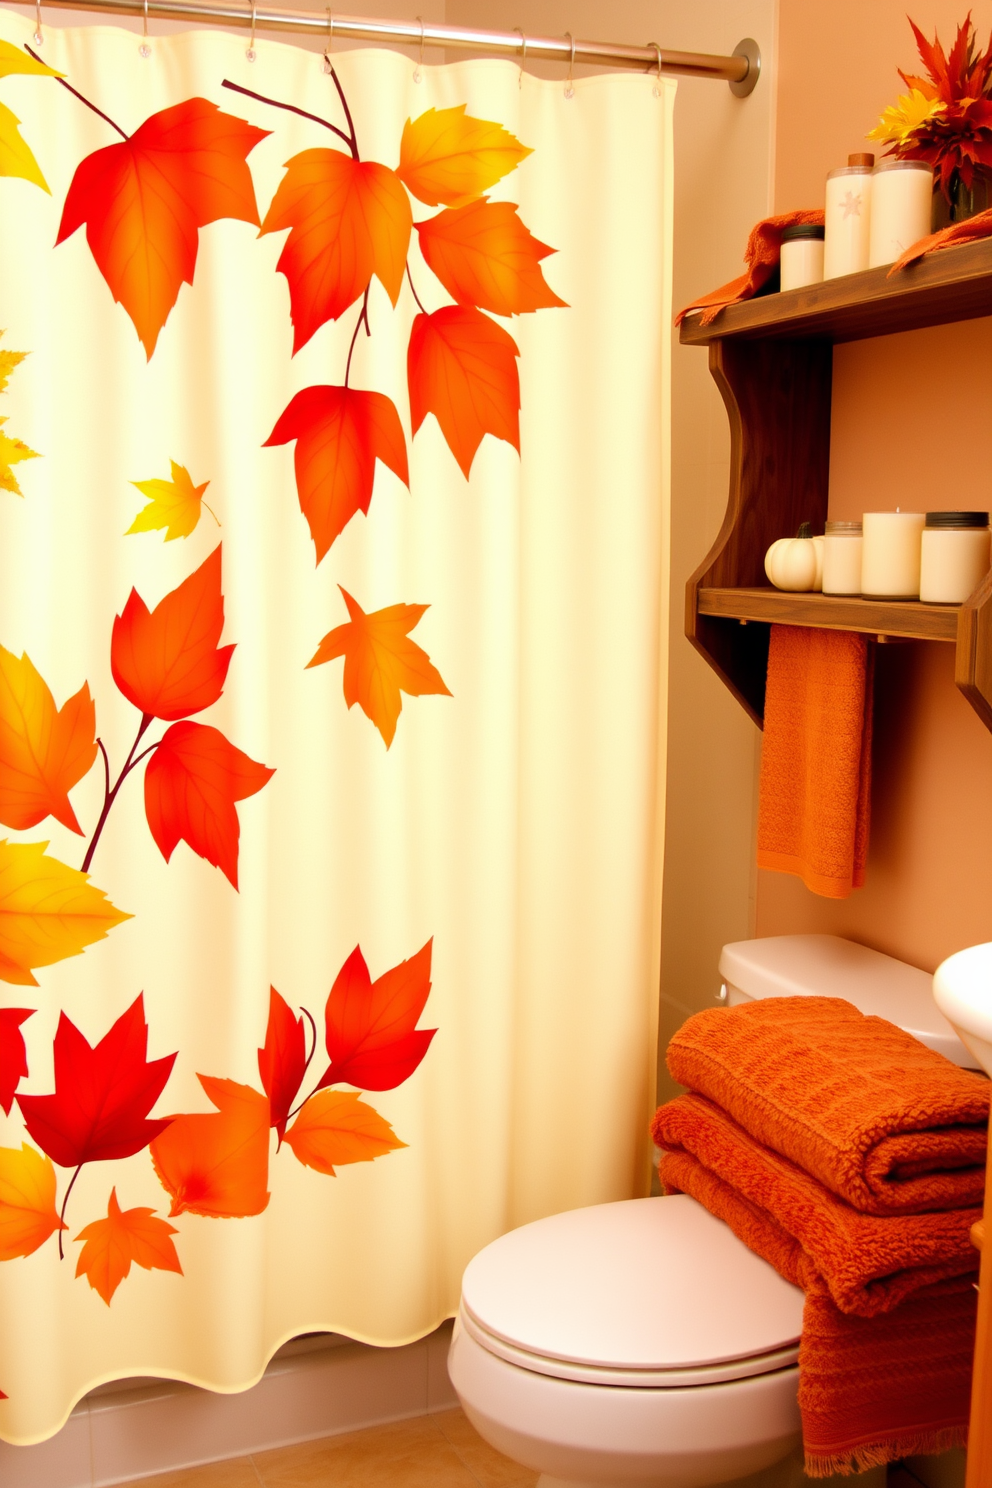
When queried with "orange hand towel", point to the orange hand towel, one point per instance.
{"points": [[814, 792], [969, 231], [870, 1112], [761, 257], [871, 1389]]}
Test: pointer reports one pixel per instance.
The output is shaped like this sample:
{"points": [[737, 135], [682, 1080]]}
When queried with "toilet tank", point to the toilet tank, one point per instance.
{"points": [[827, 966]]}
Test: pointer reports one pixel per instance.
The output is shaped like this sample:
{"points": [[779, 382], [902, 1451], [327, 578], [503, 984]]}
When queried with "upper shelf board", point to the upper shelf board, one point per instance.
{"points": [[952, 284]]}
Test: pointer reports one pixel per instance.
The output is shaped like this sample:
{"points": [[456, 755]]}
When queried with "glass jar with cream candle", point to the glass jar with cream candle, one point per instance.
{"points": [[847, 217], [801, 258], [955, 555], [890, 554], [901, 202], [842, 558]]}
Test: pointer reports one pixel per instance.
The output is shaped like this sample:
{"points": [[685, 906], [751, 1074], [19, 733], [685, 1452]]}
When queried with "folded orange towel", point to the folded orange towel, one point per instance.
{"points": [[969, 231], [761, 257], [866, 1109], [871, 1389], [814, 791]]}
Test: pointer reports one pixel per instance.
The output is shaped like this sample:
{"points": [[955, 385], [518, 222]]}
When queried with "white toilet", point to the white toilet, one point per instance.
{"points": [[642, 1342]]}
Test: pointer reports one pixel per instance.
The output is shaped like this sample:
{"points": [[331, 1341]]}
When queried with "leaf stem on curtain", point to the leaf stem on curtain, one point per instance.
{"points": [[110, 794], [291, 108], [76, 94], [65, 1200], [368, 331], [413, 287]]}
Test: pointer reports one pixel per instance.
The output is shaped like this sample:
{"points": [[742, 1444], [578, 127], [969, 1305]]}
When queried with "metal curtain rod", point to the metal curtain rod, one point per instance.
{"points": [[740, 70]]}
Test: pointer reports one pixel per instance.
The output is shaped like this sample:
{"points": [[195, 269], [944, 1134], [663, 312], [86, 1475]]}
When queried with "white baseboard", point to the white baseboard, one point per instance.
{"points": [[314, 1387]]}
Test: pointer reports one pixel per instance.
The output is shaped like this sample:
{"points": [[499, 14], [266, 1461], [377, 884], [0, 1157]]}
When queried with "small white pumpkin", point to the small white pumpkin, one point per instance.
{"points": [[796, 563]]}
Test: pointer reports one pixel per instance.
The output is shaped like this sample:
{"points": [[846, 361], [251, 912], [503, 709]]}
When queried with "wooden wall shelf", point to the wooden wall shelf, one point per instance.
{"points": [[772, 359]]}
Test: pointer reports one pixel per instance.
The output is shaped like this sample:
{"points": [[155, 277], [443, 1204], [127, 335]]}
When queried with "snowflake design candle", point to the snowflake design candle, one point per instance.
{"points": [[847, 217]]}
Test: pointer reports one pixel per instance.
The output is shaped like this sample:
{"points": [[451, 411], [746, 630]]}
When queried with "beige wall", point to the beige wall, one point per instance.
{"points": [[908, 421], [723, 170]]}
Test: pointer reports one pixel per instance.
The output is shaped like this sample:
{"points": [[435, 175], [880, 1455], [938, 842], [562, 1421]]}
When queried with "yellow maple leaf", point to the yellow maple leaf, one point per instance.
{"points": [[172, 504], [27, 1201], [901, 118], [15, 157], [11, 451], [8, 361], [48, 911]]}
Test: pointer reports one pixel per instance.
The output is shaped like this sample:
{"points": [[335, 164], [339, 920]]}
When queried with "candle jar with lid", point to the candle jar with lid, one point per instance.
{"points": [[890, 555], [801, 259], [842, 558], [901, 203], [847, 217], [955, 555]]}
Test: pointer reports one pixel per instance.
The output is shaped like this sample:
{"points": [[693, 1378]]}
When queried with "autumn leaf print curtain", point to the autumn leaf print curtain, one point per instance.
{"points": [[333, 566]]}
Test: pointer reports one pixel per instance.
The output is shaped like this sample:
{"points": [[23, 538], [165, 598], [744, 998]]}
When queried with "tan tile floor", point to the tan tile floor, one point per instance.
{"points": [[437, 1451]]}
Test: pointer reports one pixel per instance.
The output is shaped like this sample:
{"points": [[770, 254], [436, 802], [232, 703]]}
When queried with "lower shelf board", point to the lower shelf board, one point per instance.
{"points": [[906, 618]]}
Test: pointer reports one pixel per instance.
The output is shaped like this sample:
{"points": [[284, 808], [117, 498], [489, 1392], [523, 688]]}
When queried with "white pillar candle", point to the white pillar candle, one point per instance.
{"points": [[890, 555], [901, 204], [801, 256], [842, 558], [955, 555], [847, 217]]}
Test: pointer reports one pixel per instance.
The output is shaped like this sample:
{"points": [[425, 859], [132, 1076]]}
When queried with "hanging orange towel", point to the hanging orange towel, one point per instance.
{"points": [[969, 231], [815, 790], [872, 1389], [866, 1109], [761, 257]]}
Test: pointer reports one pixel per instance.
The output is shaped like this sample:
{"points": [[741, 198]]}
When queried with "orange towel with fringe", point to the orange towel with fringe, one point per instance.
{"points": [[838, 1113], [815, 788], [761, 256], [868, 1111]]}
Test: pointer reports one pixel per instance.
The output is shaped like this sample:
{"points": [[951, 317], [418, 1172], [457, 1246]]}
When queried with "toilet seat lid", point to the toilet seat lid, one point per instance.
{"points": [[644, 1284]]}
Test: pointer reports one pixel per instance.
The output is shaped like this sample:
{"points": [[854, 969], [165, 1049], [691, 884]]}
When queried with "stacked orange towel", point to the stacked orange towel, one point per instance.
{"points": [[852, 1159], [814, 793], [761, 256]]}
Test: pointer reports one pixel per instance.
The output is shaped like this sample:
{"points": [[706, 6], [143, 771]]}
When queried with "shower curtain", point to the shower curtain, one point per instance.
{"points": [[333, 594]]}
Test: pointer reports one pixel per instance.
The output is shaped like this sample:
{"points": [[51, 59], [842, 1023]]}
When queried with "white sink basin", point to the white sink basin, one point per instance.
{"points": [[962, 987]]}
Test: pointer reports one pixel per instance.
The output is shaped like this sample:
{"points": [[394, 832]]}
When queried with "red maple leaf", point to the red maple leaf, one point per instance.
{"points": [[103, 1094], [340, 432], [461, 366], [13, 1054], [282, 1062], [192, 782], [167, 662], [371, 1038], [144, 201]]}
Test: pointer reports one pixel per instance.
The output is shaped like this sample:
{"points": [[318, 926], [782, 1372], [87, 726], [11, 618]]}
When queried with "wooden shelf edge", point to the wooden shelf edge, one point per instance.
{"points": [[952, 284], [908, 619]]}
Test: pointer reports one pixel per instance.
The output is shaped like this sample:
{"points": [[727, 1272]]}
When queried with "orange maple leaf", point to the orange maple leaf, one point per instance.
{"points": [[167, 661], [44, 750], [217, 1164], [340, 432], [48, 911], [348, 219], [485, 256], [144, 201], [380, 661], [335, 1126], [192, 782], [27, 1201], [447, 157], [125, 1236], [461, 366]]}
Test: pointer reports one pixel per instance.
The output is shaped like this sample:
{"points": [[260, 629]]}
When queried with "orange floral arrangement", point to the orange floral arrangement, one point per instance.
{"points": [[946, 117]]}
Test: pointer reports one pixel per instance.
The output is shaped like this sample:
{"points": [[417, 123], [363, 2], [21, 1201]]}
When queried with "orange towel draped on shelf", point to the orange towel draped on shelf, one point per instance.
{"points": [[848, 1156], [815, 787], [764, 246]]}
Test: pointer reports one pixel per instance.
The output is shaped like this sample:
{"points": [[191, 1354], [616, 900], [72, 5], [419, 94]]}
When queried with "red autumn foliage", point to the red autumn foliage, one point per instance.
{"points": [[959, 137], [167, 661], [103, 1094], [13, 1054], [192, 782], [461, 366], [282, 1061], [371, 1037], [144, 201]]}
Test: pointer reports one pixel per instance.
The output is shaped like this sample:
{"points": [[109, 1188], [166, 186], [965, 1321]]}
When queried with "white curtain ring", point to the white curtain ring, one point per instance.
{"points": [[144, 49], [250, 53], [523, 56], [328, 65], [656, 90], [38, 37], [418, 70], [569, 83]]}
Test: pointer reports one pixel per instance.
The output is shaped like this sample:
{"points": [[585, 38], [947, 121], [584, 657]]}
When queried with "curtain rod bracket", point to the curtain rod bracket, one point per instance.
{"points": [[751, 52]]}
